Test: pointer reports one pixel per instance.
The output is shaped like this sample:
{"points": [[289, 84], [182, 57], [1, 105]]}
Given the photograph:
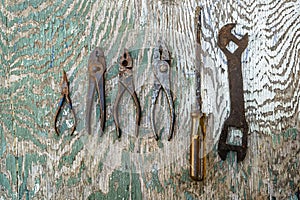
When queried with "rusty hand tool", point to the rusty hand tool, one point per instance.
{"points": [[198, 131], [96, 68], [236, 118], [161, 70], [126, 84], [65, 97]]}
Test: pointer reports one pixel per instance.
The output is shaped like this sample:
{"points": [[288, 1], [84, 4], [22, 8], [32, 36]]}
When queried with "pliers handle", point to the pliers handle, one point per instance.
{"points": [[65, 97]]}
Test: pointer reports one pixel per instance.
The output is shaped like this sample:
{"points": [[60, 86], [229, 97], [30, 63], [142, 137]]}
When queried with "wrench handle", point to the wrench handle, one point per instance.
{"points": [[235, 77]]}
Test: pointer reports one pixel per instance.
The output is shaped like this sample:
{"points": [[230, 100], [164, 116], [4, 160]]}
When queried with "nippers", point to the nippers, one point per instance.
{"points": [[161, 70], [96, 68], [126, 84], [64, 97]]}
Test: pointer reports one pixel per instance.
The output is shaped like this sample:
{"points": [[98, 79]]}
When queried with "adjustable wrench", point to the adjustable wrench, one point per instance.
{"points": [[236, 118]]}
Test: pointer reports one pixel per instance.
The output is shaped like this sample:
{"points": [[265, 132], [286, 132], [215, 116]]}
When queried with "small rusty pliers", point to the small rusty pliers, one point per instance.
{"points": [[64, 97], [97, 68], [161, 70], [126, 84]]}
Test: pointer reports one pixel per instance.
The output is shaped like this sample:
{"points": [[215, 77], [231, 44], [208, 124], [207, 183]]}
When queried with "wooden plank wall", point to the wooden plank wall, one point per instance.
{"points": [[39, 39]]}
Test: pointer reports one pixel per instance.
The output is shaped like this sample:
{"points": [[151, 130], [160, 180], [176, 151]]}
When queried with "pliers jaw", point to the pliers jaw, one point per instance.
{"points": [[96, 68], [96, 63], [64, 84], [125, 63], [126, 84], [161, 70]]}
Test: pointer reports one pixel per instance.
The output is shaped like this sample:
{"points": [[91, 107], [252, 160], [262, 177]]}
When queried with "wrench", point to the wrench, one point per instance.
{"points": [[237, 117]]}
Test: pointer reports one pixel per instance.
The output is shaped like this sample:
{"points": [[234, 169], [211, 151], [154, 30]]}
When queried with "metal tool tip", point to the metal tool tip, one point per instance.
{"points": [[97, 52], [199, 8], [64, 74]]}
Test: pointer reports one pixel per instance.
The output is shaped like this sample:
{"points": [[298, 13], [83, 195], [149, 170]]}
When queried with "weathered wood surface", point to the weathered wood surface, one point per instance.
{"points": [[40, 38]]}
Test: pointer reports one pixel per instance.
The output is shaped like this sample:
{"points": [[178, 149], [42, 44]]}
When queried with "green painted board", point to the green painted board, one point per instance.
{"points": [[39, 39]]}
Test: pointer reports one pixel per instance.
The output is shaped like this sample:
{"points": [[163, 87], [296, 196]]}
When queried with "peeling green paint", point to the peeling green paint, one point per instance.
{"points": [[11, 167], [77, 178], [25, 134], [28, 161], [121, 186], [58, 182], [69, 159], [100, 167], [2, 142], [260, 184], [5, 184], [131, 146], [188, 196], [136, 192], [154, 182], [185, 175], [19, 99]]}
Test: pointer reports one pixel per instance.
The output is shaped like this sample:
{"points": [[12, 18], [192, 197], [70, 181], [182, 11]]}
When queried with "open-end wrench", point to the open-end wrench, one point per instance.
{"points": [[236, 118]]}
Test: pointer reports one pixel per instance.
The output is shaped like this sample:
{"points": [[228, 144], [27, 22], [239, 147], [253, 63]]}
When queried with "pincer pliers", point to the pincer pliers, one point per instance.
{"points": [[64, 97], [126, 84], [96, 68], [161, 69]]}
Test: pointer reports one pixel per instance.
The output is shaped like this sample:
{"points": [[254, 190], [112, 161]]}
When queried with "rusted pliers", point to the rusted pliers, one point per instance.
{"points": [[64, 97], [97, 68], [161, 70], [126, 84]]}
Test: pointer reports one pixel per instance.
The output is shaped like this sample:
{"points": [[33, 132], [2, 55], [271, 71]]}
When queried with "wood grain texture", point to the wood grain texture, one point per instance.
{"points": [[39, 39]]}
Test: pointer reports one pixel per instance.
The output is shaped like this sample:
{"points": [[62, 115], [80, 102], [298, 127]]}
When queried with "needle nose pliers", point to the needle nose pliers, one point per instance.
{"points": [[64, 97]]}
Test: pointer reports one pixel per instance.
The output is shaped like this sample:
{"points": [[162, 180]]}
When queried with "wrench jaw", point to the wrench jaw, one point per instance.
{"points": [[224, 148], [225, 37], [243, 43]]}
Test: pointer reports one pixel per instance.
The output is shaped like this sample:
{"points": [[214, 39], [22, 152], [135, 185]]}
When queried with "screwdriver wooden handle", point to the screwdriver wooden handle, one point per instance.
{"points": [[197, 148]]}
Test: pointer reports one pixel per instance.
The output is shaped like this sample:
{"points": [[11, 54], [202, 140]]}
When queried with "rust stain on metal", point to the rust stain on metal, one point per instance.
{"points": [[236, 118], [126, 84], [96, 68]]}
